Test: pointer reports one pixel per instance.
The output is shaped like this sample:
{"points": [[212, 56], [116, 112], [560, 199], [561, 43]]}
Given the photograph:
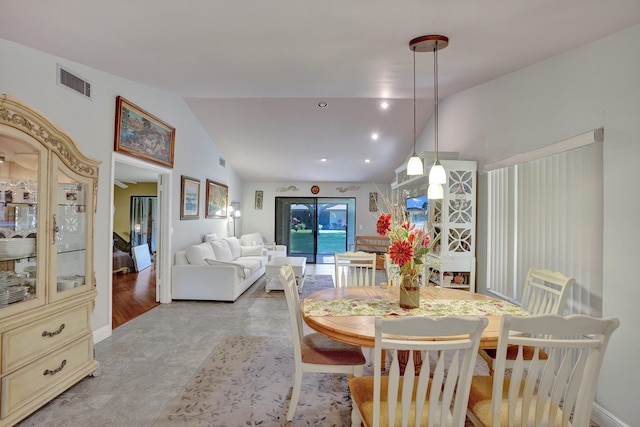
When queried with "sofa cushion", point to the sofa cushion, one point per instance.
{"points": [[234, 245], [196, 254], [250, 263], [221, 250], [252, 239], [209, 237], [240, 269]]}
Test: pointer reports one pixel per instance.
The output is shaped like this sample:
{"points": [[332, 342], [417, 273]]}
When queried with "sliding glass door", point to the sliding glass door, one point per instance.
{"points": [[315, 228]]}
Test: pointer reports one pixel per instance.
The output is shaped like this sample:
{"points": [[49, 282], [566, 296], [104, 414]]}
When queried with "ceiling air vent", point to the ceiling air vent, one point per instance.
{"points": [[73, 82], [222, 162]]}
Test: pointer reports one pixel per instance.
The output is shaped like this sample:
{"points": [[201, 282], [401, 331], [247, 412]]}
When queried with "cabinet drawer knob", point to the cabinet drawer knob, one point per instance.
{"points": [[55, 371], [54, 333]]}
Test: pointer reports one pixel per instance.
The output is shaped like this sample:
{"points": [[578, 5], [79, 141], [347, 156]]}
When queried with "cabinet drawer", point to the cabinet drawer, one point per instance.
{"points": [[27, 343], [39, 378]]}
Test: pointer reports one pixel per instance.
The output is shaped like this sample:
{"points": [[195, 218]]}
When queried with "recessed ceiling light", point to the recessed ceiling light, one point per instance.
{"points": [[323, 159], [375, 136], [322, 104], [367, 160], [384, 105]]}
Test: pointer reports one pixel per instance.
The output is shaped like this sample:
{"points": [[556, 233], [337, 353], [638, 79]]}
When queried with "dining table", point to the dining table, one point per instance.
{"points": [[347, 314]]}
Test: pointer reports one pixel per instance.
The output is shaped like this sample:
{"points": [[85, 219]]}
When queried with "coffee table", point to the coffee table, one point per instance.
{"points": [[298, 264]]}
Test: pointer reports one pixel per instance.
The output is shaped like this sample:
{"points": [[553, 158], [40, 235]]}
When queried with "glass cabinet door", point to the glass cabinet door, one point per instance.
{"points": [[72, 232], [20, 167]]}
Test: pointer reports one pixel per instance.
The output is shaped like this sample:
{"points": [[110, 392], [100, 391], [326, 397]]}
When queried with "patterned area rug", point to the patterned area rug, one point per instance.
{"points": [[245, 382], [312, 283]]}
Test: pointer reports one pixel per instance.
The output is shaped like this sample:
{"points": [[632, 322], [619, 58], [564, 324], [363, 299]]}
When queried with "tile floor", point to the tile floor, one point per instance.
{"points": [[147, 360]]}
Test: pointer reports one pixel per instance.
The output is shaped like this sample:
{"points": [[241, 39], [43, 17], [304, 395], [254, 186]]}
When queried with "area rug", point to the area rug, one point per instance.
{"points": [[246, 381], [312, 283]]}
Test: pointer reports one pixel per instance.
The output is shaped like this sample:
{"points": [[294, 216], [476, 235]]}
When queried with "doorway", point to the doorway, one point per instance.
{"points": [[315, 227]]}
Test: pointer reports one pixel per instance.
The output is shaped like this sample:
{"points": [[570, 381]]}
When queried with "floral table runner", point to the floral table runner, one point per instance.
{"points": [[382, 307]]}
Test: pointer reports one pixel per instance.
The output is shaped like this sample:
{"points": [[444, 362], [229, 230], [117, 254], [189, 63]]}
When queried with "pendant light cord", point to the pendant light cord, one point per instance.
{"points": [[435, 94], [414, 103]]}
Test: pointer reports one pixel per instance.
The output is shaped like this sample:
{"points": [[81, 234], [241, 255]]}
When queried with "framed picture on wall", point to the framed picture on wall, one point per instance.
{"points": [[259, 199], [373, 202], [217, 199], [142, 135], [189, 198]]}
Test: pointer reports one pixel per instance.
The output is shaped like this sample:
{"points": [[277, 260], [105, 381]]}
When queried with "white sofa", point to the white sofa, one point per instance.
{"points": [[217, 269]]}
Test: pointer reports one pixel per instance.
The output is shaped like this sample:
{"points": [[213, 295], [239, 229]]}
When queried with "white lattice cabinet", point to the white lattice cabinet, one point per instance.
{"points": [[47, 284], [453, 221]]}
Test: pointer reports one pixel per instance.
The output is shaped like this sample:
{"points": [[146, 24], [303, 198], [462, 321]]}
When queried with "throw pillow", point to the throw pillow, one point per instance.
{"points": [[196, 254], [210, 237], [238, 267], [252, 250], [222, 251], [252, 239], [234, 245]]}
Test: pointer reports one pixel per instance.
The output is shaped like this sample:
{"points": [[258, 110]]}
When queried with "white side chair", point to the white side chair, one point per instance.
{"points": [[545, 292], [557, 390], [355, 269], [392, 271], [435, 397], [314, 352]]}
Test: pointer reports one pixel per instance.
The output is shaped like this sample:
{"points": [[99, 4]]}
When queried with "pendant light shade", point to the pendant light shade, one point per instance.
{"points": [[433, 43], [437, 174], [415, 166], [435, 192]]}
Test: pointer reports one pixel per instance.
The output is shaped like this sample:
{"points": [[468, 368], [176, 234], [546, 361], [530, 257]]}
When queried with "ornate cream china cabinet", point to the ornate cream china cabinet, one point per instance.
{"points": [[47, 284], [452, 220]]}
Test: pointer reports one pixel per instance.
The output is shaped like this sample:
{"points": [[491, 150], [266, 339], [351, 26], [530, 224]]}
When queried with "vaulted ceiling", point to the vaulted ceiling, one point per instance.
{"points": [[253, 72]]}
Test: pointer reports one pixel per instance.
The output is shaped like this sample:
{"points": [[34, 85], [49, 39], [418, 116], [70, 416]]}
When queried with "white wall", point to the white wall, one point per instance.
{"points": [[264, 220], [30, 76], [595, 86]]}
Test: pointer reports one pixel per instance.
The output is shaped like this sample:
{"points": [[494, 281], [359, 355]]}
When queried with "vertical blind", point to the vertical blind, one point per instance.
{"points": [[547, 213]]}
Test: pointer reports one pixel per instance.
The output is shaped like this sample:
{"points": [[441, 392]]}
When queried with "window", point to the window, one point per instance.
{"points": [[545, 211]]}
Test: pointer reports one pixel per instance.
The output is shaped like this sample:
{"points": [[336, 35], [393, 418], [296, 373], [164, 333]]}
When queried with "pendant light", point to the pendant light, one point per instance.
{"points": [[433, 43], [415, 165]]}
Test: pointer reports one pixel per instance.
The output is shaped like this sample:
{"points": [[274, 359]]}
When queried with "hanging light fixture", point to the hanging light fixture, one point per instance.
{"points": [[415, 165], [432, 43]]}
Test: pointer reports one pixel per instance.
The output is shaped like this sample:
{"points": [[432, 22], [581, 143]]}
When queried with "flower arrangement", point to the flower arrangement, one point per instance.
{"points": [[409, 244]]}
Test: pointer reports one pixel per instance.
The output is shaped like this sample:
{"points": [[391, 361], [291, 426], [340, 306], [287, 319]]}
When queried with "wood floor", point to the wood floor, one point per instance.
{"points": [[133, 294]]}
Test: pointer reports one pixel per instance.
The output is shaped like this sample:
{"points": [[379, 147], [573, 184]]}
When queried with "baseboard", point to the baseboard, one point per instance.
{"points": [[604, 418], [101, 334]]}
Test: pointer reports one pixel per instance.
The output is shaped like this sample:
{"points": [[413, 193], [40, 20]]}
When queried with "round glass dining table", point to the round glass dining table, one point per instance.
{"points": [[348, 314]]}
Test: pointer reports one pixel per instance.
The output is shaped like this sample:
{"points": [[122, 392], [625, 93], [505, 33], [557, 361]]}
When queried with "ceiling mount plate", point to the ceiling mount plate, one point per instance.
{"points": [[427, 43]]}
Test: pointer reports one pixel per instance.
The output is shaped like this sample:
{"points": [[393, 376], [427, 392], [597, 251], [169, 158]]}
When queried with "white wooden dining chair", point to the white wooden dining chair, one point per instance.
{"points": [[392, 271], [545, 292], [555, 391], [355, 269], [430, 397], [314, 352]]}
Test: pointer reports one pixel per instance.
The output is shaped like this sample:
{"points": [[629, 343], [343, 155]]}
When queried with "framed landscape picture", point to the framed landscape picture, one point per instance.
{"points": [[142, 135], [217, 199], [189, 198]]}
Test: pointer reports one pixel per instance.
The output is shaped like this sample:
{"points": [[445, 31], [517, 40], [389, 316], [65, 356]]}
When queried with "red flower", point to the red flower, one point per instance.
{"points": [[401, 252], [383, 225]]}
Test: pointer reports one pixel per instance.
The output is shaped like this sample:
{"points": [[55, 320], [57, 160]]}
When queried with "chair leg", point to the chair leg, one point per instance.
{"points": [[295, 393], [356, 418]]}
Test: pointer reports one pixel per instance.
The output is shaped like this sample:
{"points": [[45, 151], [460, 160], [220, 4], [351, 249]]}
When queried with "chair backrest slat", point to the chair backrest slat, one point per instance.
{"points": [[559, 388], [443, 388], [546, 291], [355, 269]]}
